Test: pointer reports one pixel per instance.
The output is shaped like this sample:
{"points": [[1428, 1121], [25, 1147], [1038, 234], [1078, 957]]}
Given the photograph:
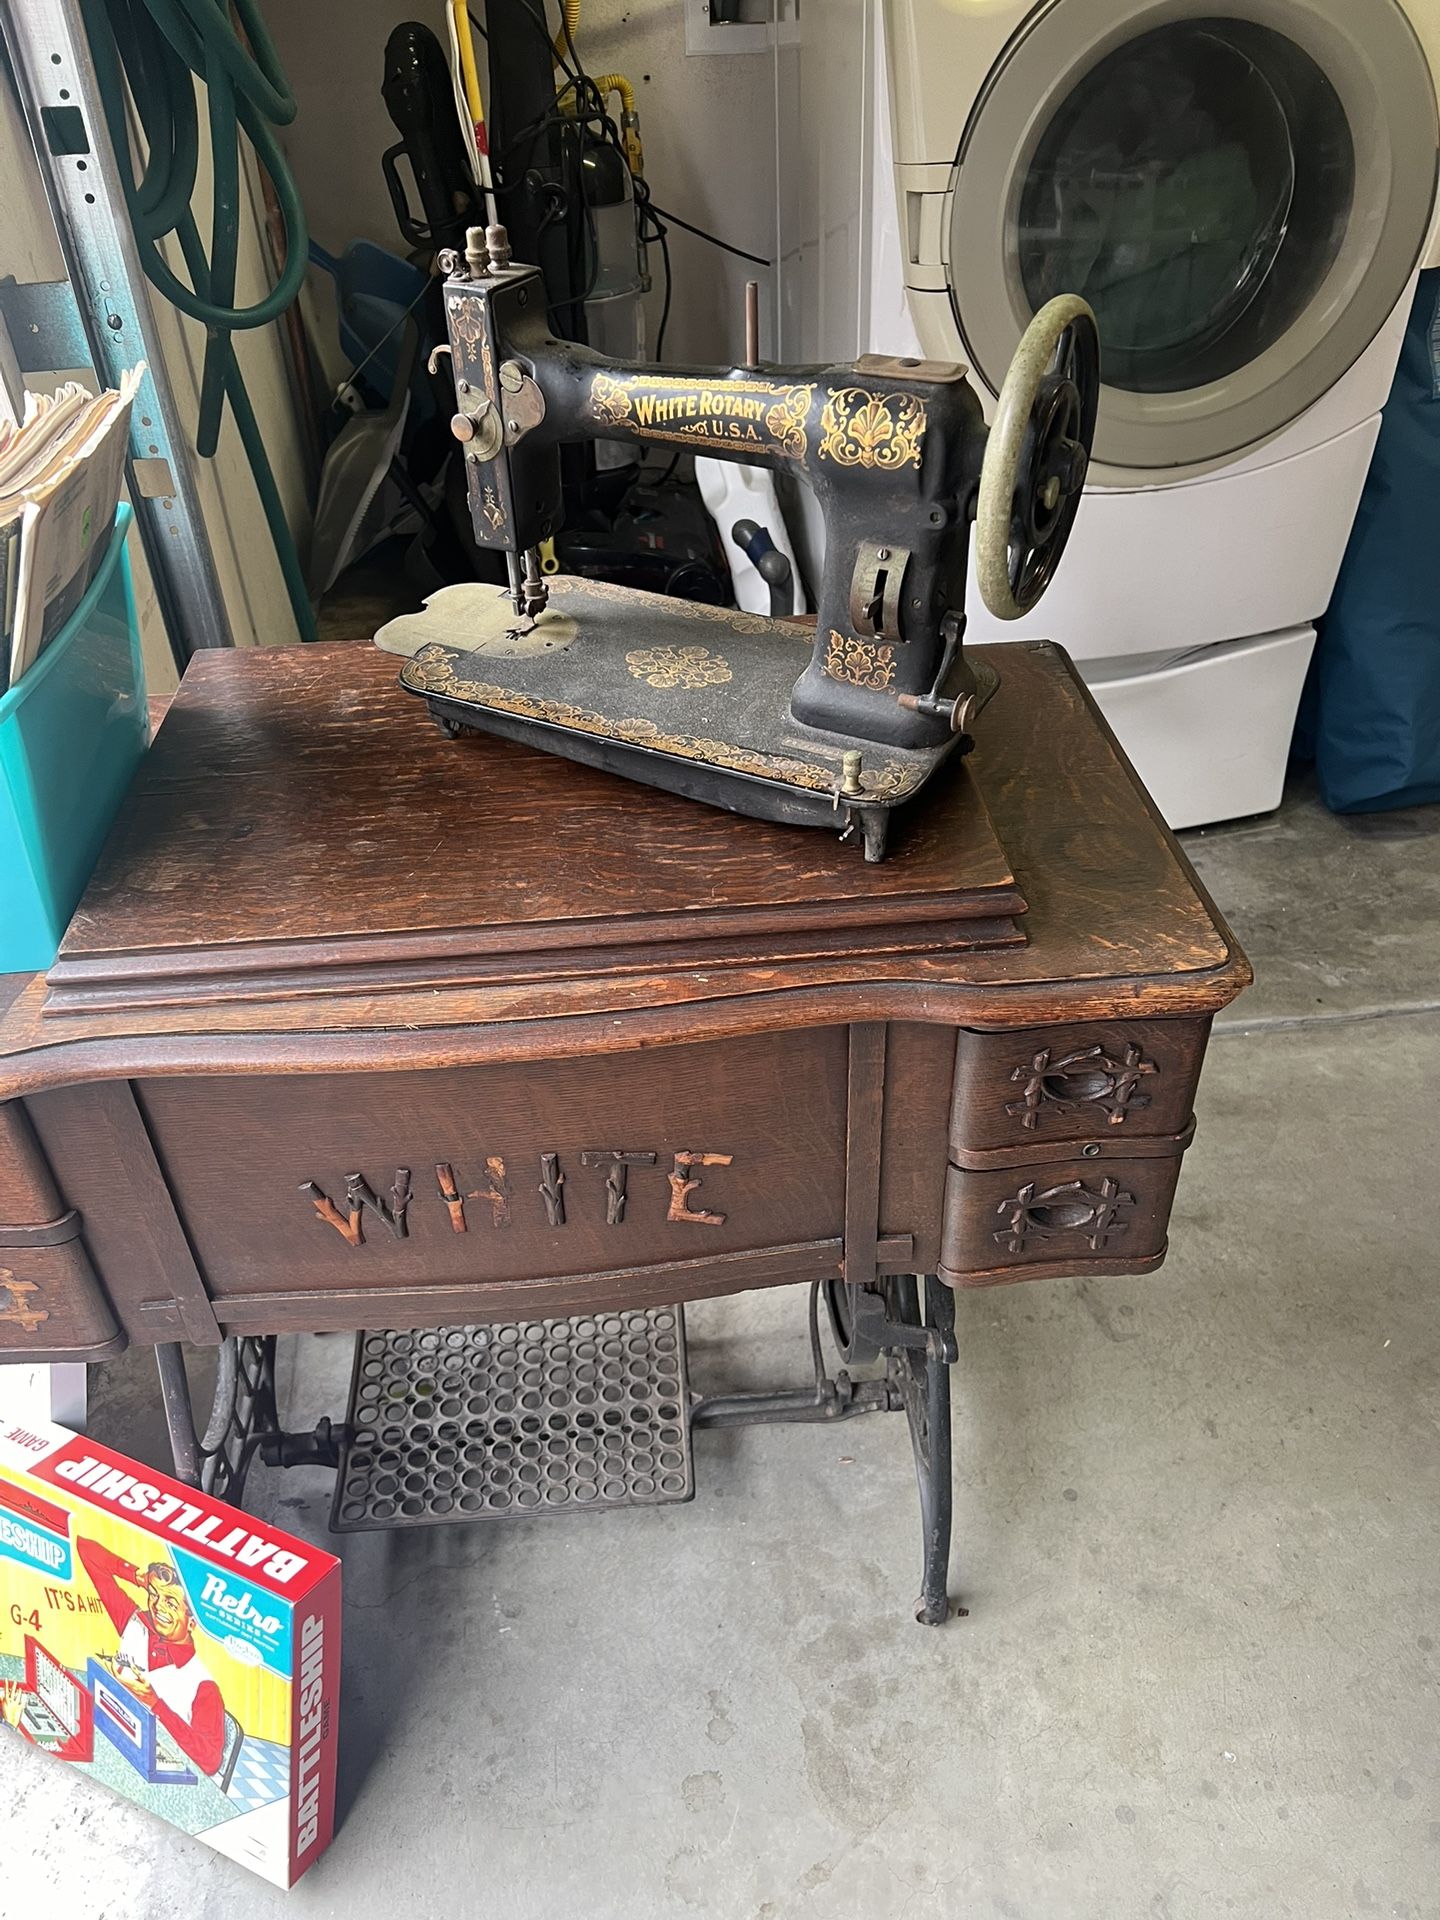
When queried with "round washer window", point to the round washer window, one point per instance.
{"points": [[1166, 189]]}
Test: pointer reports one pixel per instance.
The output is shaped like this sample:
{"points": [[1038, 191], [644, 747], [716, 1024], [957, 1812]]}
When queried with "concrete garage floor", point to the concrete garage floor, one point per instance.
{"points": [[1196, 1531]]}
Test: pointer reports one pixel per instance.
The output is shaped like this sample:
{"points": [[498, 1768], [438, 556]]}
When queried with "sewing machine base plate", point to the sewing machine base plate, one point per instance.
{"points": [[692, 699]]}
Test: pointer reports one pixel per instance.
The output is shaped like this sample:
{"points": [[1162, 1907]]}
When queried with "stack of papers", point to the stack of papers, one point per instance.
{"points": [[59, 482]]}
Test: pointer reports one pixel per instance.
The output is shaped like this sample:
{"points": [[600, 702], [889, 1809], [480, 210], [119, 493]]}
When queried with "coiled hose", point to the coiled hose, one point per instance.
{"points": [[157, 49]]}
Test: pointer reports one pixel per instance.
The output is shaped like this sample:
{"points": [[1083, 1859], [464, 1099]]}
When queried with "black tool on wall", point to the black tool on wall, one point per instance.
{"points": [[532, 153], [420, 100]]}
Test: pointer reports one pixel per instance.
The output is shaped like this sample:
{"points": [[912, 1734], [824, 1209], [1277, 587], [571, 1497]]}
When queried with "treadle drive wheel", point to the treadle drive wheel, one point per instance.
{"points": [[855, 1348]]}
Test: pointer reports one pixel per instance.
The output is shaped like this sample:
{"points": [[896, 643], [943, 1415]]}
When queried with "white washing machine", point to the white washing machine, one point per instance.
{"points": [[1242, 189]]}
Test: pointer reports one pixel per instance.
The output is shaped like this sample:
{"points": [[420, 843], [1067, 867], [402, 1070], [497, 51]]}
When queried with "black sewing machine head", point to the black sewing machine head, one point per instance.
{"points": [[720, 705]]}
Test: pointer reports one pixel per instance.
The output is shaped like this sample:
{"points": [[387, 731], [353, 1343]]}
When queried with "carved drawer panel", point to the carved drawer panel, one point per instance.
{"points": [[348, 1199], [1109, 1079], [1039, 1218], [52, 1307]]}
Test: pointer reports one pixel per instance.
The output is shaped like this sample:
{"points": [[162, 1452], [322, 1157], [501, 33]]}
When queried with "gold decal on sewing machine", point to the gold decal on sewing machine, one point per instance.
{"points": [[859, 663], [20, 1312], [667, 667], [683, 1183], [432, 670], [360, 1199], [884, 430], [683, 408], [466, 324], [491, 508]]}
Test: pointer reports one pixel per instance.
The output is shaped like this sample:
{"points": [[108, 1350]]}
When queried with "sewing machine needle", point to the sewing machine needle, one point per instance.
{"points": [[514, 568], [536, 591]]}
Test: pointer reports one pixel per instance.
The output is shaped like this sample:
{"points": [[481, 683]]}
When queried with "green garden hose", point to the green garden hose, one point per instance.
{"points": [[155, 50]]}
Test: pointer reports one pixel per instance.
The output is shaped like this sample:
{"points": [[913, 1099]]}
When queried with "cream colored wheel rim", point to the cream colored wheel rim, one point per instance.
{"points": [[995, 508]]}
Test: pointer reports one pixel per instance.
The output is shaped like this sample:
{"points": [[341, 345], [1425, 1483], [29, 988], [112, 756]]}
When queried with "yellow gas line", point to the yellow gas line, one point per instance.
{"points": [[607, 83]]}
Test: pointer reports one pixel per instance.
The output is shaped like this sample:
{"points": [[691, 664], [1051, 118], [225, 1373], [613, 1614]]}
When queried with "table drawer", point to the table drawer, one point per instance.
{"points": [[1064, 1215], [500, 1190], [52, 1306], [1109, 1079]]}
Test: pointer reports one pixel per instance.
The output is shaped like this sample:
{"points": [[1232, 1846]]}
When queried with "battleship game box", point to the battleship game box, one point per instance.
{"points": [[172, 1646]]}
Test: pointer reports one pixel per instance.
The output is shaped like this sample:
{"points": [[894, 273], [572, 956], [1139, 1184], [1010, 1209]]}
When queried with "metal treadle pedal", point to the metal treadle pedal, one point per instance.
{"points": [[459, 1423]]}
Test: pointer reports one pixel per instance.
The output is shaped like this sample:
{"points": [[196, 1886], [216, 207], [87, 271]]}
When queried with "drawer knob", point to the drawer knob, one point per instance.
{"points": [[1063, 1212], [1088, 1077]]}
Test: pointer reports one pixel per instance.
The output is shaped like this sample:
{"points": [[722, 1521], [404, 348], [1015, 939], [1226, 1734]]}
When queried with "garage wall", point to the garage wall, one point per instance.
{"points": [[708, 123], [710, 130], [826, 158], [250, 579]]}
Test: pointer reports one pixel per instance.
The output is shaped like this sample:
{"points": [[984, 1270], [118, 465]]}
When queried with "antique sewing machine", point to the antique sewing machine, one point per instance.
{"points": [[497, 1063], [724, 706]]}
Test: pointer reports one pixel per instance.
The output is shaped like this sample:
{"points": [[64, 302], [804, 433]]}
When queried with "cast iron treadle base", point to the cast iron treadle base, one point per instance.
{"points": [[463, 1423], [242, 1418]]}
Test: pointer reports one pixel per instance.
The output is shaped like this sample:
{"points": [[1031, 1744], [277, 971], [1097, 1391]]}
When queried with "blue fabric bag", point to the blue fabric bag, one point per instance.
{"points": [[1370, 715]]}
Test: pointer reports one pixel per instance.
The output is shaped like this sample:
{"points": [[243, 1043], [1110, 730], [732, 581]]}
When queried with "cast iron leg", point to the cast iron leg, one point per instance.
{"points": [[179, 1416], [924, 1379], [242, 1412], [933, 1472]]}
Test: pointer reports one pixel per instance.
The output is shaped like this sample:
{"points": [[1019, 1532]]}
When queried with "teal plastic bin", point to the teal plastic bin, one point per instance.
{"points": [[72, 731]]}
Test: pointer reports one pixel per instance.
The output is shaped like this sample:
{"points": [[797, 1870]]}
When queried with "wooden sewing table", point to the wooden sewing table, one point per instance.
{"points": [[359, 1027]]}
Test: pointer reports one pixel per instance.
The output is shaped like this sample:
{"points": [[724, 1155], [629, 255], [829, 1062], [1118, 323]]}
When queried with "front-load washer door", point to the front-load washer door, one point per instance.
{"points": [[1239, 190]]}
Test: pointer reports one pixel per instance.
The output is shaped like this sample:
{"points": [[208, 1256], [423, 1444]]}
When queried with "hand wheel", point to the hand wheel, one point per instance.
{"points": [[1036, 456]]}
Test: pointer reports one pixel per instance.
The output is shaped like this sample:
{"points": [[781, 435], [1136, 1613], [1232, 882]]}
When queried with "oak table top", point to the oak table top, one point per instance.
{"points": [[308, 875]]}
